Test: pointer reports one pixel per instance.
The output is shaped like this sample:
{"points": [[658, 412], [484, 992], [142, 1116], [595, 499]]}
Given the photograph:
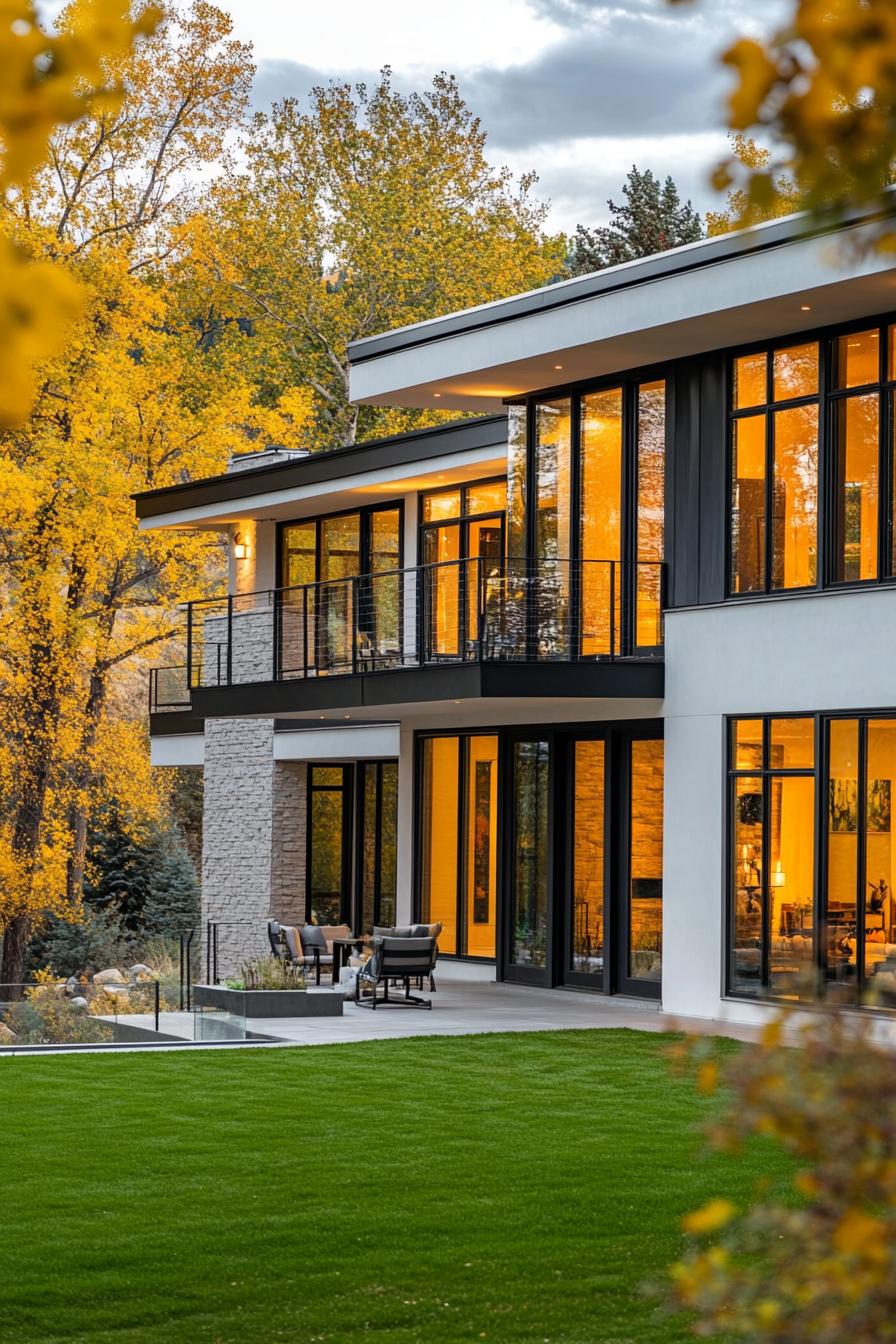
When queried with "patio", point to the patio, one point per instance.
{"points": [[462, 1008]]}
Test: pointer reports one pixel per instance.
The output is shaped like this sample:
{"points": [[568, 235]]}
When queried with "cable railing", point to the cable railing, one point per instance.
{"points": [[458, 611], [169, 689]]}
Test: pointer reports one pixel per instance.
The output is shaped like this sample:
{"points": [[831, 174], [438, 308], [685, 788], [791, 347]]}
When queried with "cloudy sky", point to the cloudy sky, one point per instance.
{"points": [[576, 89]]}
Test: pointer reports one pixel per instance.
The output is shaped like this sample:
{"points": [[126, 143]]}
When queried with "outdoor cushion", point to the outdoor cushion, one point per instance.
{"points": [[293, 945], [333, 931], [312, 936]]}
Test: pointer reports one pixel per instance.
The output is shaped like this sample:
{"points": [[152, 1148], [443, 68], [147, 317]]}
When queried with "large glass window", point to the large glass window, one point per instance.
{"points": [[458, 839], [587, 950], [645, 904], [462, 547], [377, 843], [600, 519], [812, 907], [650, 519], [530, 862], [328, 882], [774, 470], [785, 445]]}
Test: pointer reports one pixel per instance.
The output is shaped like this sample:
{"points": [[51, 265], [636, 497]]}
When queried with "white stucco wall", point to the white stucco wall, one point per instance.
{"points": [[806, 654]]}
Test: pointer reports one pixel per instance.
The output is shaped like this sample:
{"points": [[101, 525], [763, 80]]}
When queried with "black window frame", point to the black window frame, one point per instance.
{"points": [[828, 398], [347, 789], [820, 772], [361, 768], [364, 511]]}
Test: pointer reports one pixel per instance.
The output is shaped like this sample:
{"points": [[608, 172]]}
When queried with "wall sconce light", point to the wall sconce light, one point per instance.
{"points": [[241, 548]]}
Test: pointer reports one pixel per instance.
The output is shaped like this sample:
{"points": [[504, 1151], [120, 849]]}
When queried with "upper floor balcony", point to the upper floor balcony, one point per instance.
{"points": [[458, 630]]}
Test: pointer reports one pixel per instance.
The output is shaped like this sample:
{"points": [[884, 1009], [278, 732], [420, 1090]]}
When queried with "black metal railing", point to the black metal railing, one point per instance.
{"points": [[169, 689], [459, 611]]}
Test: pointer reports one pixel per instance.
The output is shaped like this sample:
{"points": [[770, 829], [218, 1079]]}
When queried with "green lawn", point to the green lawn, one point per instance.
{"points": [[507, 1188]]}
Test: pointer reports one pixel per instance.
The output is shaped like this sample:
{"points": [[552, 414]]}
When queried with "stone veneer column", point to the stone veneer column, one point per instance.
{"points": [[253, 846], [289, 841]]}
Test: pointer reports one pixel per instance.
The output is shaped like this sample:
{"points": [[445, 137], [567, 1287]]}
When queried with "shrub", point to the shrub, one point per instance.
{"points": [[268, 973], [814, 1258]]}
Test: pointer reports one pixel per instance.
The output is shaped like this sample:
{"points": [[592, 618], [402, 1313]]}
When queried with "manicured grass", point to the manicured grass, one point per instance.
{"points": [[506, 1188]]}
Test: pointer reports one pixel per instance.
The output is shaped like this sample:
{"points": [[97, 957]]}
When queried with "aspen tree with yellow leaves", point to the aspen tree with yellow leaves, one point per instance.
{"points": [[369, 210]]}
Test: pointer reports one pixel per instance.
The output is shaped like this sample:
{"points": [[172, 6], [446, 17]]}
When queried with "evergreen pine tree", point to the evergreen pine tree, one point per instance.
{"points": [[652, 219]]}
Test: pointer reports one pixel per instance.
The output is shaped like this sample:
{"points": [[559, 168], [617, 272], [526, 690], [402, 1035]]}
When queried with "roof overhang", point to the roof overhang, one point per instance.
{"points": [[341, 479], [749, 286]]}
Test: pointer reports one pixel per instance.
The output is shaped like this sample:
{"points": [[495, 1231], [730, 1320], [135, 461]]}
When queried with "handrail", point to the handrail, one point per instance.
{"points": [[469, 610]]}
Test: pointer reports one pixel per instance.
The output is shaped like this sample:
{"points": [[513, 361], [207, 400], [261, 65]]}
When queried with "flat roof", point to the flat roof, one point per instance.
{"points": [[637, 313], [415, 446]]}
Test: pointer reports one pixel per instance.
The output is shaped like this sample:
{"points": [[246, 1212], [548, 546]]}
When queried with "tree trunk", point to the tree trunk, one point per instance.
{"points": [[12, 964]]}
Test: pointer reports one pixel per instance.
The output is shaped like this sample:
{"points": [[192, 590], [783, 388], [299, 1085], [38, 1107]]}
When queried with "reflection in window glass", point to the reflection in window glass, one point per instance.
{"points": [[439, 821], [650, 522], [601, 519], [442, 590], [748, 505], [299, 553], [842, 859], [856, 488], [796, 372], [750, 381], [747, 885], [587, 950], [529, 865], [516, 482], [488, 498], [444, 504], [856, 359], [795, 530], [327, 884], [646, 861]]}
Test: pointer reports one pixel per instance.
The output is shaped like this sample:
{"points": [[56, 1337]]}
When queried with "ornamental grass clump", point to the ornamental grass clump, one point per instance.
{"points": [[814, 1255], [268, 973]]}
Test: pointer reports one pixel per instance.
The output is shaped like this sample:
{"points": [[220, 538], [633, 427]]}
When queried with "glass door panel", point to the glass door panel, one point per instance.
{"points": [[381, 620], [440, 821], [377, 835], [485, 548], [529, 863], [842, 861], [442, 591], [650, 514], [328, 881], [880, 860], [585, 942], [481, 847], [600, 522], [340, 563], [645, 867], [553, 534]]}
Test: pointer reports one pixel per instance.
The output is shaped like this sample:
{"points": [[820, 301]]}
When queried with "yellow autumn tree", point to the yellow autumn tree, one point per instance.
{"points": [[369, 210], [751, 157], [142, 394], [820, 93], [48, 80]]}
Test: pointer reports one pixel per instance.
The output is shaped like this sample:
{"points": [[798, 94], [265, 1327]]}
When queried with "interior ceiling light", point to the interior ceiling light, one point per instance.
{"points": [[805, 307], [437, 394], [558, 366]]}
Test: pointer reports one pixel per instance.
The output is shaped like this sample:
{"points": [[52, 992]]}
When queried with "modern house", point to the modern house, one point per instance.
{"points": [[604, 679]]}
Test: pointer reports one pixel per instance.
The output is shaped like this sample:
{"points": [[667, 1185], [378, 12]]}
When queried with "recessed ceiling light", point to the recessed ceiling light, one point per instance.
{"points": [[437, 394], [346, 716], [805, 308], [558, 366]]}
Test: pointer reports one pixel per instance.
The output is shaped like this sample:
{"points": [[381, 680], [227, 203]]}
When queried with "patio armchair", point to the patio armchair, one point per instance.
{"points": [[414, 931], [396, 960], [307, 947]]}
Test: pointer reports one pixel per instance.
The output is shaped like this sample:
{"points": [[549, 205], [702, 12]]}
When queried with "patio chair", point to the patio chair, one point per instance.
{"points": [[414, 931], [275, 938], [307, 947], [396, 960]]}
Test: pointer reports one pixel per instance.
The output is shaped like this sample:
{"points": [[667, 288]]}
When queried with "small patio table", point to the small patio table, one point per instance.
{"points": [[342, 950]]}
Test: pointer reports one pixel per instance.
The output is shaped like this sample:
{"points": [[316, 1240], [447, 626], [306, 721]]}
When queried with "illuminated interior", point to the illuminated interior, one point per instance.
{"points": [[775, 435], [601, 517], [587, 944], [776, 913], [651, 513], [459, 847], [645, 940], [462, 545]]}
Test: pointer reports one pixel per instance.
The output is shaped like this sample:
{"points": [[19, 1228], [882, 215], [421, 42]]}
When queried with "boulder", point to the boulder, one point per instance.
{"points": [[111, 976], [78, 1001], [142, 972], [7, 1037], [72, 985]]}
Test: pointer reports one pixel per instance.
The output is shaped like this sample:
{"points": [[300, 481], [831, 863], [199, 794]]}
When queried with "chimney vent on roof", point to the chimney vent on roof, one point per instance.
{"points": [[270, 456]]}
